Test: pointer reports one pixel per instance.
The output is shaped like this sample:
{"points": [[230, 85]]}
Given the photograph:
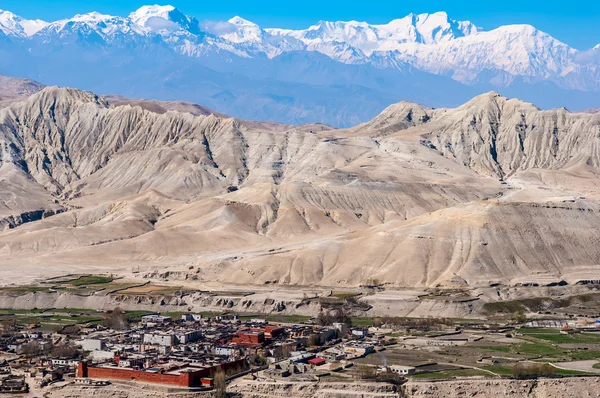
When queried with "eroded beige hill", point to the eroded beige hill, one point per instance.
{"points": [[493, 191]]}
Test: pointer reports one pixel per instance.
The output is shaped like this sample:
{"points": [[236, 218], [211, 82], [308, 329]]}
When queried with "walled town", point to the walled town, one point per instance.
{"points": [[208, 351], [177, 345]]}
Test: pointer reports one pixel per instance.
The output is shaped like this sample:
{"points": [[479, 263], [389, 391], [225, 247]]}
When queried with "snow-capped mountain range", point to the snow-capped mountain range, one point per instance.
{"points": [[416, 53]]}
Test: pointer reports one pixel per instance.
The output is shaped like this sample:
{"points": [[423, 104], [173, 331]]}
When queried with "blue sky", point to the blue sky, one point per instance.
{"points": [[576, 23]]}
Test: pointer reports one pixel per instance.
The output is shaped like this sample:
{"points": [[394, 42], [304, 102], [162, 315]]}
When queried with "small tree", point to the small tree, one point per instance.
{"points": [[220, 384], [315, 340], [523, 371], [116, 319], [8, 324], [366, 372], [283, 351], [324, 319], [65, 351], [340, 315], [31, 349], [520, 317]]}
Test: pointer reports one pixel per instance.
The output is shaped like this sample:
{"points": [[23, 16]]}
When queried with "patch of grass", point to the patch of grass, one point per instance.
{"points": [[596, 365], [70, 310], [90, 280], [287, 318], [527, 331], [569, 372], [535, 349], [579, 338], [500, 370]]}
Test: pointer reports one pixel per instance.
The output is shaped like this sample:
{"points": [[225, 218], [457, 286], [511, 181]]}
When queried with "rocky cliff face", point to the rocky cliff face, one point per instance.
{"points": [[544, 388], [493, 191]]}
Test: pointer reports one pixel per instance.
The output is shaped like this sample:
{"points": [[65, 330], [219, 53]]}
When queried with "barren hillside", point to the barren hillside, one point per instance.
{"points": [[495, 191]]}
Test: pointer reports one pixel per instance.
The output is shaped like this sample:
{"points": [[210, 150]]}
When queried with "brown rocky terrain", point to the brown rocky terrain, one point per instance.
{"points": [[494, 191], [581, 387]]}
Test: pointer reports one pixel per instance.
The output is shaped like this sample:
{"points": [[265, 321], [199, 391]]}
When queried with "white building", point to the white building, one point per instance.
{"points": [[225, 351], [103, 355], [165, 340], [156, 319], [69, 362], [190, 336], [192, 317], [93, 344], [403, 370]]}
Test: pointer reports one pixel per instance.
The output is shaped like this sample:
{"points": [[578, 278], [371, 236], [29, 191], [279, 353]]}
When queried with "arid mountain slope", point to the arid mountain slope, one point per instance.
{"points": [[12, 87], [493, 191]]}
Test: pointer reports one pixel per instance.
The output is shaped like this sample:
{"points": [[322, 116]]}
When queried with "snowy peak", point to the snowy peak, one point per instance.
{"points": [[243, 31], [239, 21], [421, 28], [92, 17], [437, 27], [143, 13], [432, 43], [14, 25], [94, 24], [163, 19]]}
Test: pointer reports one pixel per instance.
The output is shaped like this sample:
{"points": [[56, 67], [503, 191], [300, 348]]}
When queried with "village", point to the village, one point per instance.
{"points": [[193, 351], [204, 352]]}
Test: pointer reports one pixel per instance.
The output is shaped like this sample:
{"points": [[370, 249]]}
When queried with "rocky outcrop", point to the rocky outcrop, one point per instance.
{"points": [[184, 302], [122, 390], [319, 390], [542, 388]]}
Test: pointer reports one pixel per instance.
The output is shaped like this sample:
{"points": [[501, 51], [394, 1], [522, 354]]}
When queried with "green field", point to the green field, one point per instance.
{"points": [[56, 318], [90, 280], [554, 336], [542, 349], [500, 370], [286, 318], [568, 372]]}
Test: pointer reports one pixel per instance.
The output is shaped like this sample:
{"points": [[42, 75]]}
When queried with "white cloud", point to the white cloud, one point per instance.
{"points": [[589, 57], [217, 28], [157, 23]]}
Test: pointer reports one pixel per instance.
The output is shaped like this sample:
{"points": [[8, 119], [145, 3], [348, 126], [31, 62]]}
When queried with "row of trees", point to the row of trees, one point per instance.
{"points": [[116, 319], [530, 370], [339, 315], [63, 351]]}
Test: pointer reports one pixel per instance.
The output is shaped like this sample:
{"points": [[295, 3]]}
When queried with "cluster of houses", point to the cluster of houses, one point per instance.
{"points": [[189, 351]]}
